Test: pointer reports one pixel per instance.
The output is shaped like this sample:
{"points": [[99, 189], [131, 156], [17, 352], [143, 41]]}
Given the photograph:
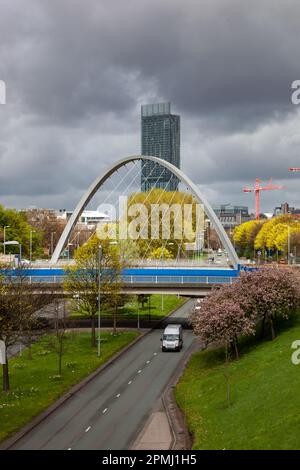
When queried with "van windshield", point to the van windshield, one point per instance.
{"points": [[171, 337]]}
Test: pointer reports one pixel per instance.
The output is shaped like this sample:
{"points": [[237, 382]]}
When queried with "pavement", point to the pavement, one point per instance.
{"points": [[111, 411], [157, 434]]}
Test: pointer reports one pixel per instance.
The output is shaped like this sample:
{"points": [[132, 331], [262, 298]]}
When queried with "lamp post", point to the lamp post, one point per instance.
{"points": [[289, 243], [99, 294], [15, 243], [162, 257], [77, 236], [30, 245], [51, 247], [99, 300], [69, 244], [138, 313], [4, 237], [208, 234], [162, 295]]}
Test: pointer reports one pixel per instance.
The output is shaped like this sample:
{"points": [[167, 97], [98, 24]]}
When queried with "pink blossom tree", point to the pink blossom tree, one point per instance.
{"points": [[221, 320], [268, 294]]}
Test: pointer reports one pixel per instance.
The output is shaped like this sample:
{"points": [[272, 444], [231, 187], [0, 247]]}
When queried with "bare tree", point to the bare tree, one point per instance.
{"points": [[19, 302], [92, 270], [57, 340]]}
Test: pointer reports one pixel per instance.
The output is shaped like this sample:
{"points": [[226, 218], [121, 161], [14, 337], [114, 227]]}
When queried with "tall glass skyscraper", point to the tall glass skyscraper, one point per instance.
{"points": [[160, 138]]}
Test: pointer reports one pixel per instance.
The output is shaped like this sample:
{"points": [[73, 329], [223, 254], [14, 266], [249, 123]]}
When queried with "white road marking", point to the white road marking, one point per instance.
{"points": [[155, 354], [87, 429], [104, 411], [119, 394]]}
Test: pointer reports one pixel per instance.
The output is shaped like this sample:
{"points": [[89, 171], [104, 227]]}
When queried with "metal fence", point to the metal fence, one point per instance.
{"points": [[127, 279]]}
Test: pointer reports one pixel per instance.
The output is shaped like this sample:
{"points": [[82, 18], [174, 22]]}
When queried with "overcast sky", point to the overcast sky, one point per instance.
{"points": [[77, 72]]}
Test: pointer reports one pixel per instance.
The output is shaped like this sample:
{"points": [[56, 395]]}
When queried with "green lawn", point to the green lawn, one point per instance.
{"points": [[35, 384], [170, 302], [265, 392]]}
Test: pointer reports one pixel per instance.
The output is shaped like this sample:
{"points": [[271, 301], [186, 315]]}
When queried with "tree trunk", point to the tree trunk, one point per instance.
{"points": [[5, 376], [236, 349], [263, 327], [93, 332], [115, 320], [226, 375], [272, 328], [60, 356]]}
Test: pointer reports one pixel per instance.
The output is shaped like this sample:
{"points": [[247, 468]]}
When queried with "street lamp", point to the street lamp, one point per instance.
{"points": [[208, 234], [100, 252], [69, 244], [51, 248], [4, 236], [15, 243], [289, 242], [162, 255], [30, 245], [138, 313], [99, 292], [179, 245], [78, 239]]}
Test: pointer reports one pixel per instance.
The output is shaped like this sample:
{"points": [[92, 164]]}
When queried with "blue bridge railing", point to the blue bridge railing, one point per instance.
{"points": [[147, 276]]}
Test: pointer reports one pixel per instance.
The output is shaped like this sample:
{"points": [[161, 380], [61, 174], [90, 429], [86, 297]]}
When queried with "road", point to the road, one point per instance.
{"points": [[110, 410]]}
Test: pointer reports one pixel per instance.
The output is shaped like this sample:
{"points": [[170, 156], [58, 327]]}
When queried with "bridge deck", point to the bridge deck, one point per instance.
{"points": [[144, 277]]}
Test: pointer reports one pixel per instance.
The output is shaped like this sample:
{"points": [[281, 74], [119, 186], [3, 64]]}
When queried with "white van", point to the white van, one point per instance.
{"points": [[172, 338]]}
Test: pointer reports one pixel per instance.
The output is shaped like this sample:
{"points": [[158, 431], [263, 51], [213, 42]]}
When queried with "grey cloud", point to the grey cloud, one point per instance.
{"points": [[207, 57], [77, 72]]}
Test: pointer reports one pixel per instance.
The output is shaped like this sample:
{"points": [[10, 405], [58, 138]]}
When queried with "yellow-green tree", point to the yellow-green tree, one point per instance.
{"points": [[170, 218], [271, 235], [281, 240], [161, 253], [128, 249], [272, 231], [245, 234]]}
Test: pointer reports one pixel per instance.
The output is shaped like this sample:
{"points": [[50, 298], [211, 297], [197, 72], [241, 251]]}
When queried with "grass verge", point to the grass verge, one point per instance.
{"points": [[265, 398], [35, 384], [130, 309]]}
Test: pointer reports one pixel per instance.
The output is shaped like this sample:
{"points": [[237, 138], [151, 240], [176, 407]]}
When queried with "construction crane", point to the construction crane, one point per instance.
{"points": [[257, 189], [294, 169]]}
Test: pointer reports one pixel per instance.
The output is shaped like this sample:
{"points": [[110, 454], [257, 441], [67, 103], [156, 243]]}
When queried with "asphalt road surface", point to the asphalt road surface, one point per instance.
{"points": [[110, 410]]}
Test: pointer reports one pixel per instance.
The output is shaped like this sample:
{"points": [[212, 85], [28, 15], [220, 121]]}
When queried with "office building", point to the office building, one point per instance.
{"points": [[230, 216], [160, 138]]}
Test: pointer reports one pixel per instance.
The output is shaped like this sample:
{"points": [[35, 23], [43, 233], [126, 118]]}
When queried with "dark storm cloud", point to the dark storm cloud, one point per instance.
{"points": [[77, 72]]}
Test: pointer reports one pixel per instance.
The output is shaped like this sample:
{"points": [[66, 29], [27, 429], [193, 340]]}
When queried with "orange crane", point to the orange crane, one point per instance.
{"points": [[257, 189], [294, 169]]}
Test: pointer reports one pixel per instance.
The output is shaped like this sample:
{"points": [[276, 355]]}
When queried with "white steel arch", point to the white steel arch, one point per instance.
{"points": [[177, 172]]}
